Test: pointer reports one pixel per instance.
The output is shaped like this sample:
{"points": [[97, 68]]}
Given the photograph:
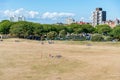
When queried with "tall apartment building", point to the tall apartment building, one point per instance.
{"points": [[98, 17], [17, 18]]}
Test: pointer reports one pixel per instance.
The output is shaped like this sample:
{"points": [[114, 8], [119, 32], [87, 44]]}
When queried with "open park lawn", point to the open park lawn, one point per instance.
{"points": [[31, 60]]}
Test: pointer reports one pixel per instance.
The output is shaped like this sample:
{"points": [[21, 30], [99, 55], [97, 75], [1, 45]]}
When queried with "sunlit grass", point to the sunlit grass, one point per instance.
{"points": [[30, 60]]}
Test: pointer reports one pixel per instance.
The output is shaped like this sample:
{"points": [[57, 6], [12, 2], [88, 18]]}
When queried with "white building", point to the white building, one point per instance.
{"points": [[17, 18], [70, 20], [98, 17]]}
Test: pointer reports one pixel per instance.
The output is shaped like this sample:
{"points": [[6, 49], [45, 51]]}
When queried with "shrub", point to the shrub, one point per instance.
{"points": [[97, 37], [108, 38], [51, 35], [76, 37]]}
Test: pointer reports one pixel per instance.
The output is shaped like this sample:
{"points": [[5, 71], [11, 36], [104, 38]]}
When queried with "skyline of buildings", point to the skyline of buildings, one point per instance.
{"points": [[48, 12], [99, 17]]}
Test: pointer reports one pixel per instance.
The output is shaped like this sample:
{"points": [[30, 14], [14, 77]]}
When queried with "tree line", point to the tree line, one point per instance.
{"points": [[37, 31]]}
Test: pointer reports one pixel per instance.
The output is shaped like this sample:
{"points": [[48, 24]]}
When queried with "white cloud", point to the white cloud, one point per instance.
{"points": [[33, 13], [8, 13], [20, 12], [55, 15]]}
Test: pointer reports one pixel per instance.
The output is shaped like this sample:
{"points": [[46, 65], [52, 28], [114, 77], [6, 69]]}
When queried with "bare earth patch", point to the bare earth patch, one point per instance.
{"points": [[30, 60]]}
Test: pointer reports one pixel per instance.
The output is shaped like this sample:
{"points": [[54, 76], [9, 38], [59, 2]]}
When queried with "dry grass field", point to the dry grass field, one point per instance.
{"points": [[30, 60]]}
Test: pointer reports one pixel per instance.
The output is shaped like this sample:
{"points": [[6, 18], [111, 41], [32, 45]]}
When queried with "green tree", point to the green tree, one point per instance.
{"points": [[5, 26], [38, 29], [97, 37], [46, 28], [17, 30], [69, 29], [78, 30], [87, 28], [22, 29], [59, 28], [51, 35], [103, 29], [62, 33], [116, 32]]}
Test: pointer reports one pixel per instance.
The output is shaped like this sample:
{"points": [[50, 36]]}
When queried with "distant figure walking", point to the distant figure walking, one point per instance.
{"points": [[1, 38], [42, 38], [42, 42], [51, 56], [56, 56]]}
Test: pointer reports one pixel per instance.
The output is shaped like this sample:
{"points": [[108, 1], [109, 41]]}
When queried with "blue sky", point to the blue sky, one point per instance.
{"points": [[52, 11]]}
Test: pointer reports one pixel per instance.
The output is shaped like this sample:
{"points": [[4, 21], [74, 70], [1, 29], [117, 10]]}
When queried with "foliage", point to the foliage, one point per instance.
{"points": [[78, 30], [38, 29], [103, 29], [62, 33], [5, 26], [108, 38], [116, 32], [78, 37], [24, 29], [97, 37], [87, 28], [51, 35]]}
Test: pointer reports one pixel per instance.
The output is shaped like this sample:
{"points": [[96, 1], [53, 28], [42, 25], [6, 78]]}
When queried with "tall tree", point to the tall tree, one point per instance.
{"points": [[38, 29], [62, 33], [87, 28], [22, 29], [5, 26], [116, 32], [103, 29], [51, 35]]}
